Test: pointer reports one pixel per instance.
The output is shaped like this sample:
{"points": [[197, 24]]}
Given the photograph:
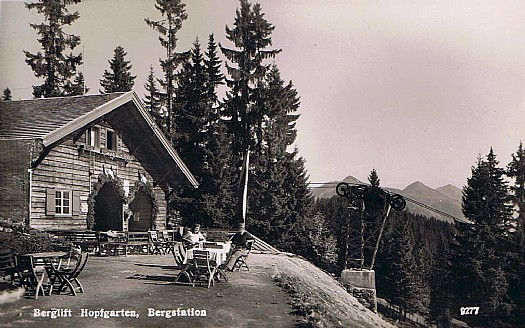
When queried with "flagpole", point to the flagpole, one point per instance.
{"points": [[244, 179]]}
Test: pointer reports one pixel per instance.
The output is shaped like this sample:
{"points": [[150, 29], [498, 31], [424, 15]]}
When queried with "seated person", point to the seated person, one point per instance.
{"points": [[239, 241], [195, 236]]}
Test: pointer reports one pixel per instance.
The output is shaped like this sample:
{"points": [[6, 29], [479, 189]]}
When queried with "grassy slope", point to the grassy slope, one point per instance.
{"points": [[317, 296]]}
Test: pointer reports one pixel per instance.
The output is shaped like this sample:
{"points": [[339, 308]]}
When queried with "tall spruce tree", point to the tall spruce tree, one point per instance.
{"points": [[486, 199], [400, 278], [217, 193], [299, 199], [215, 77], [440, 287], [192, 110], [279, 195], [152, 99], [119, 78], [173, 14], [6, 94], [516, 171], [202, 140], [423, 259], [478, 259], [261, 112], [53, 64], [251, 36], [190, 115]]}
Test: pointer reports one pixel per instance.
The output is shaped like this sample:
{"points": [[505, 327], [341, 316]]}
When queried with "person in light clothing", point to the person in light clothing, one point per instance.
{"points": [[194, 237], [239, 241]]}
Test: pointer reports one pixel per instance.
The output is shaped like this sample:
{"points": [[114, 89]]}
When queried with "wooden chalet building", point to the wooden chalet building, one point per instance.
{"points": [[93, 162]]}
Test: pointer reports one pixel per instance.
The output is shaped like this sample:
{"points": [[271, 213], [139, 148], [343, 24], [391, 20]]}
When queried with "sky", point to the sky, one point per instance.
{"points": [[416, 90]]}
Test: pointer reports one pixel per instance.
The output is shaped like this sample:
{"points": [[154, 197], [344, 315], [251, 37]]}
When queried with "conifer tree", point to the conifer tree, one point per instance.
{"points": [[373, 179], [478, 259], [400, 277], [440, 287], [516, 171], [314, 240], [423, 259], [152, 99], [217, 193], [485, 198], [213, 65], [6, 94], [119, 78], [202, 140], [191, 110], [53, 64], [173, 14], [261, 112], [190, 115], [295, 188], [78, 87], [279, 196], [251, 36]]}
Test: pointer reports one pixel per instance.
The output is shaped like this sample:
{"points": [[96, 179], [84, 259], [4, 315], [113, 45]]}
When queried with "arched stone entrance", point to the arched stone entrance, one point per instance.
{"points": [[142, 208], [108, 209]]}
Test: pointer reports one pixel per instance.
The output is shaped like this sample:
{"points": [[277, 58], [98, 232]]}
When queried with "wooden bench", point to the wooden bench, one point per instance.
{"points": [[88, 241], [138, 242], [114, 244]]}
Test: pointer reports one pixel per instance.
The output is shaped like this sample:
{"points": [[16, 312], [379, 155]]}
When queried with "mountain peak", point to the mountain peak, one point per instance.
{"points": [[451, 191], [351, 179], [448, 187], [417, 186]]}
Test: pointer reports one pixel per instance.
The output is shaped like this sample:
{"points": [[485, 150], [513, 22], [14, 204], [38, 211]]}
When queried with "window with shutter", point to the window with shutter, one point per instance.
{"points": [[50, 202], [62, 202], [76, 203]]}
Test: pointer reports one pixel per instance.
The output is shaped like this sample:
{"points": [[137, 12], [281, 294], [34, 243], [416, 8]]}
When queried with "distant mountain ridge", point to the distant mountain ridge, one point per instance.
{"points": [[446, 199]]}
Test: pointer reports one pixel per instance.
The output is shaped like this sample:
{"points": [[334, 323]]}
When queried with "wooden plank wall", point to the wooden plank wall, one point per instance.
{"points": [[15, 160], [66, 167]]}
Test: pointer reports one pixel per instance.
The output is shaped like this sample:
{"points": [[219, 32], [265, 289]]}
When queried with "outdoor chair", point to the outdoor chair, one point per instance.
{"points": [[7, 265], [241, 260], [202, 268], [31, 276], [220, 273], [167, 241], [67, 278], [70, 259], [157, 246], [179, 253]]}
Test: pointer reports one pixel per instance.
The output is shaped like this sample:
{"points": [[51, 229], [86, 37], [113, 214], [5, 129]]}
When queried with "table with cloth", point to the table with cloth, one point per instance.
{"points": [[218, 253]]}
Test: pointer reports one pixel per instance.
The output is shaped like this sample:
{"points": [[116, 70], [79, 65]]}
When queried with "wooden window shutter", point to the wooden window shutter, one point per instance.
{"points": [[50, 201], [76, 203]]}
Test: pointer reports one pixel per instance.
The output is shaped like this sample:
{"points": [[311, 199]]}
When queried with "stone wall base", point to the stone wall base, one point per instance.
{"points": [[361, 284], [365, 296]]}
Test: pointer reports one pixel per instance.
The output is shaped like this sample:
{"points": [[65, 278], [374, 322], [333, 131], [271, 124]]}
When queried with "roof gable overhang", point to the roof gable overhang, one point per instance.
{"points": [[141, 135]]}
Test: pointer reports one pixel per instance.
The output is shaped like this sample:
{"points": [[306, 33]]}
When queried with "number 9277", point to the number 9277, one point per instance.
{"points": [[469, 310]]}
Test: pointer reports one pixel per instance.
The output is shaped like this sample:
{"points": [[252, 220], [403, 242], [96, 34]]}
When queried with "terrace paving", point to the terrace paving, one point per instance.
{"points": [[142, 282]]}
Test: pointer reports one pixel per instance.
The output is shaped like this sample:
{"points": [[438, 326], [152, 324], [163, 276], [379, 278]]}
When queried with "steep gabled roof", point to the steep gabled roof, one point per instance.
{"points": [[53, 120], [36, 118]]}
